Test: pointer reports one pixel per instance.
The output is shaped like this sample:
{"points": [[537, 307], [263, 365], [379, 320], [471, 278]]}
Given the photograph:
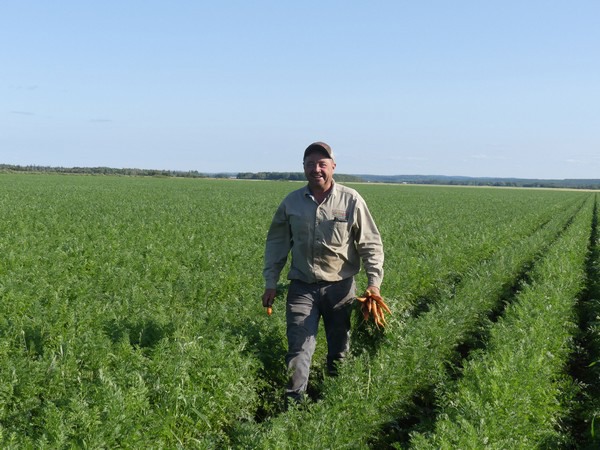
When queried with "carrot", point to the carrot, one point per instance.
{"points": [[381, 303], [376, 314], [374, 305]]}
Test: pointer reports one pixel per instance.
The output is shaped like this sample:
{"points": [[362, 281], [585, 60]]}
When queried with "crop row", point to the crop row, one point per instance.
{"points": [[586, 360], [516, 393], [433, 236]]}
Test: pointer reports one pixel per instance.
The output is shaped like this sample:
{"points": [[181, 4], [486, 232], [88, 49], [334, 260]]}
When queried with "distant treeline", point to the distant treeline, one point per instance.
{"points": [[299, 176], [291, 176], [484, 181], [111, 171]]}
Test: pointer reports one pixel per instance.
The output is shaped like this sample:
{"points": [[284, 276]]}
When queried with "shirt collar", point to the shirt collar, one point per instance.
{"points": [[308, 193]]}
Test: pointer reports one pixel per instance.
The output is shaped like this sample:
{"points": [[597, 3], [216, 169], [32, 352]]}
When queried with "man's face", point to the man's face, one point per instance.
{"points": [[318, 170]]}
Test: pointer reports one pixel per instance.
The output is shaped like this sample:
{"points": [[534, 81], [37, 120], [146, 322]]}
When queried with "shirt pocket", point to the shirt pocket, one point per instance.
{"points": [[338, 231]]}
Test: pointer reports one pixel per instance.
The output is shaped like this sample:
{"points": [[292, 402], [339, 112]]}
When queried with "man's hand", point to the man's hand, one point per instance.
{"points": [[269, 297], [374, 290]]}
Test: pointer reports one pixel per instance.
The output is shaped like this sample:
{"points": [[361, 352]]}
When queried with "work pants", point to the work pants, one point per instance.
{"points": [[306, 304]]}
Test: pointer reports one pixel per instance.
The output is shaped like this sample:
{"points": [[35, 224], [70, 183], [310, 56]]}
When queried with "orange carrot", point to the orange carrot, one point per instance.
{"points": [[373, 305]]}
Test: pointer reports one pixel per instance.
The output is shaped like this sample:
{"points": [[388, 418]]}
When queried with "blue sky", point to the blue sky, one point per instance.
{"points": [[475, 88]]}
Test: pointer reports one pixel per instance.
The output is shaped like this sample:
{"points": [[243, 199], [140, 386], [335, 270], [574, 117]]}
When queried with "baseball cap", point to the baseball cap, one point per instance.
{"points": [[321, 147]]}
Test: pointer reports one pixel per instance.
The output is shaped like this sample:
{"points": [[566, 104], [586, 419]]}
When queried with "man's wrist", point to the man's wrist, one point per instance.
{"points": [[374, 283]]}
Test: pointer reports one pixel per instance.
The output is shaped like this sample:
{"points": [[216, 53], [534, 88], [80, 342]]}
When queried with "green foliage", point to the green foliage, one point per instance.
{"points": [[586, 361], [514, 394], [131, 312], [375, 393], [124, 303]]}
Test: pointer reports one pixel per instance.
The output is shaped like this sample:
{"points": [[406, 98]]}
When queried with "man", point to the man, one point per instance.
{"points": [[329, 230]]}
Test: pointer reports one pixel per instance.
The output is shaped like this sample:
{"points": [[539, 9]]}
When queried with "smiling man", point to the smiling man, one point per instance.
{"points": [[329, 230]]}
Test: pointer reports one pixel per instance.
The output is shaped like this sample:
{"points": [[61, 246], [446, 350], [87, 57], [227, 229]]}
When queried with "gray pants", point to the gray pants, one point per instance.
{"points": [[306, 303]]}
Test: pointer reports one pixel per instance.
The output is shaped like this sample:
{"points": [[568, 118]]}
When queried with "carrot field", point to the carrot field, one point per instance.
{"points": [[130, 317]]}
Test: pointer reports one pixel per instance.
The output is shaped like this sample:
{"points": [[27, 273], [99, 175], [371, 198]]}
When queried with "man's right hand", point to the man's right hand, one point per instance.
{"points": [[269, 297]]}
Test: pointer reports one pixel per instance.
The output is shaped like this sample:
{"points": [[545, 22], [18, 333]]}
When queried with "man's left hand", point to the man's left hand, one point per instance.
{"points": [[374, 290]]}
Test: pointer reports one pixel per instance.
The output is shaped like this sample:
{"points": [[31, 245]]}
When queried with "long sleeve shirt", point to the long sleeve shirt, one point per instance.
{"points": [[327, 241]]}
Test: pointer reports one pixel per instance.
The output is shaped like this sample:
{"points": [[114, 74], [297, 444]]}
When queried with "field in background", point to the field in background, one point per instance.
{"points": [[131, 317]]}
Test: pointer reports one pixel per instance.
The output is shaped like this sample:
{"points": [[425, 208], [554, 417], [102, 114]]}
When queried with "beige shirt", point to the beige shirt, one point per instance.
{"points": [[327, 240]]}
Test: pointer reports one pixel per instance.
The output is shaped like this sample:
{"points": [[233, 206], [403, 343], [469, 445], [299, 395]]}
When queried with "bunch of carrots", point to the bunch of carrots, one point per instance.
{"points": [[373, 304]]}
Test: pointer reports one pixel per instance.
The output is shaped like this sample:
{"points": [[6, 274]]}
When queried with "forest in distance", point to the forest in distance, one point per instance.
{"points": [[567, 183]]}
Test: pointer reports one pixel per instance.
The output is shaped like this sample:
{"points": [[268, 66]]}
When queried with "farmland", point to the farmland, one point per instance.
{"points": [[131, 317]]}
